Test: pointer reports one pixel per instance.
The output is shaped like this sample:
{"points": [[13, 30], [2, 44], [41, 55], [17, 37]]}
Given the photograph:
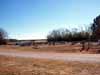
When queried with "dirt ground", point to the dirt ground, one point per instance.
{"points": [[42, 48], [36, 66], [67, 48], [29, 66]]}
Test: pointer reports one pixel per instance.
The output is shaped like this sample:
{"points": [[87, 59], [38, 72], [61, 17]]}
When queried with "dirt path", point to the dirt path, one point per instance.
{"points": [[55, 56]]}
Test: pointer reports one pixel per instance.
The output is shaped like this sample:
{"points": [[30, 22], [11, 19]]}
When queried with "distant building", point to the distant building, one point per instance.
{"points": [[24, 43]]}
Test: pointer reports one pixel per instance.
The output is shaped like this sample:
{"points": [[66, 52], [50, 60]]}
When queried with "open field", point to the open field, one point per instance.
{"points": [[44, 48], [15, 60], [29, 66], [67, 48]]}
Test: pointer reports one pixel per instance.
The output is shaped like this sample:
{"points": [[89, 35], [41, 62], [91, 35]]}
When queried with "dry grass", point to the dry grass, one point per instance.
{"points": [[29, 66], [67, 48], [44, 48]]}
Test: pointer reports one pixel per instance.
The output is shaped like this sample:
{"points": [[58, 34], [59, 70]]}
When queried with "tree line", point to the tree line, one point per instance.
{"points": [[68, 35], [91, 32]]}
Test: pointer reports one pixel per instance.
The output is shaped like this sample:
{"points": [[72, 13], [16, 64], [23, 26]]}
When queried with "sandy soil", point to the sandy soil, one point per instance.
{"points": [[54, 56]]}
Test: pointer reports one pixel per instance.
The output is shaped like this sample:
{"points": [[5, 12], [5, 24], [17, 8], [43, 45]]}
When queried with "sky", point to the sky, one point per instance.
{"points": [[34, 19]]}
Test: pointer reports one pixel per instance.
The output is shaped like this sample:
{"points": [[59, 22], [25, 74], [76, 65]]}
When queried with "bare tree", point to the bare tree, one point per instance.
{"points": [[63, 35], [95, 27], [3, 36]]}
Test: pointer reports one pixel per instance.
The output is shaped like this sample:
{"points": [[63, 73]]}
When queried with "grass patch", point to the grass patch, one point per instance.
{"points": [[44, 48], [30, 66]]}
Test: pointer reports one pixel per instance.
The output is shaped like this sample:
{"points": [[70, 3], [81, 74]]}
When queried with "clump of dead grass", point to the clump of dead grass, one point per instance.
{"points": [[30, 66]]}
